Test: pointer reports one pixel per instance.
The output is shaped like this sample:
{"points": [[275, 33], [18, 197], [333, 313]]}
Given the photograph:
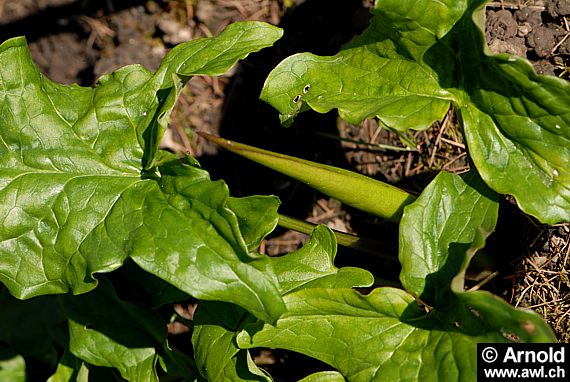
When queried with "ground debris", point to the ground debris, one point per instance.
{"points": [[542, 278]]}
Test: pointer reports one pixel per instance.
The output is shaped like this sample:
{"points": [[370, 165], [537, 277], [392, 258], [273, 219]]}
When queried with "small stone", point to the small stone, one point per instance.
{"points": [[524, 29]]}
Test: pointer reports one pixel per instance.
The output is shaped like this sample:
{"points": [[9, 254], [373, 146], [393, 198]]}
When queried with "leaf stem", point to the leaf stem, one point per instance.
{"points": [[371, 247]]}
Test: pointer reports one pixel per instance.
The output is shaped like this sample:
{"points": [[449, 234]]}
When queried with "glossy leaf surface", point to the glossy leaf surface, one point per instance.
{"points": [[386, 336], [324, 376], [216, 324], [83, 187], [69, 369], [441, 231], [217, 356], [257, 217], [417, 58], [105, 331], [391, 334], [312, 266]]}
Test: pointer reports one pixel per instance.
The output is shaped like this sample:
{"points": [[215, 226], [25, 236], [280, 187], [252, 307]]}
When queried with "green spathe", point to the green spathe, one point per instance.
{"points": [[416, 59], [83, 187], [356, 190]]}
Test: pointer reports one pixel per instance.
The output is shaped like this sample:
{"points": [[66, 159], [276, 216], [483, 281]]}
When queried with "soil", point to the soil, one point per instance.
{"points": [[537, 30], [77, 41]]}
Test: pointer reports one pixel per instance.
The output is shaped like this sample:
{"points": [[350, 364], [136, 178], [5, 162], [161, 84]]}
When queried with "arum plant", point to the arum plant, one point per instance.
{"points": [[417, 58], [426, 331], [101, 232], [84, 189]]}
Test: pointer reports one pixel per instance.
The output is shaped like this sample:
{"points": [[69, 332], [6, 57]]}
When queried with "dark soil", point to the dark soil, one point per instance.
{"points": [[537, 30], [76, 41]]}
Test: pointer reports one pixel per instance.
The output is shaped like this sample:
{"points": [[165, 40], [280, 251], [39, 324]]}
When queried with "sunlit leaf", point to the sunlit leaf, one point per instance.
{"points": [[312, 266], [12, 366], [441, 231], [430, 331], [416, 59], [83, 187]]}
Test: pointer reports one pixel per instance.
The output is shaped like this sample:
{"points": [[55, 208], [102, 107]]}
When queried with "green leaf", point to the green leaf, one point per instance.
{"points": [[217, 356], [208, 56], [78, 371], [216, 324], [439, 228], [109, 332], [257, 217], [353, 189], [105, 331], [356, 334], [369, 246], [324, 376], [178, 365], [517, 127], [134, 364], [386, 336], [196, 244], [83, 374], [12, 366], [417, 58], [391, 334], [137, 285], [82, 186], [312, 266], [68, 369], [374, 76]]}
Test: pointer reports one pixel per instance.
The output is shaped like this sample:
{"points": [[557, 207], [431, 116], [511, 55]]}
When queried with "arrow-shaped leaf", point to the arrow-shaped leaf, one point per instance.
{"points": [[389, 334], [312, 266], [418, 57], [82, 186]]}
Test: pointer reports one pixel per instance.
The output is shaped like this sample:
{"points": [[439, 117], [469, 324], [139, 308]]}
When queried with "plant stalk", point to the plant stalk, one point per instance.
{"points": [[345, 239]]}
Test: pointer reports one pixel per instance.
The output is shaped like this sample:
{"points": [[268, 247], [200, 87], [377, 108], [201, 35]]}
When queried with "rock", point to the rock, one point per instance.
{"points": [[524, 29], [542, 40], [174, 32]]}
